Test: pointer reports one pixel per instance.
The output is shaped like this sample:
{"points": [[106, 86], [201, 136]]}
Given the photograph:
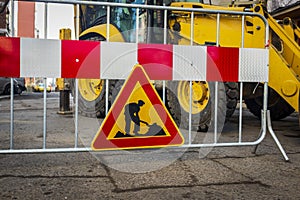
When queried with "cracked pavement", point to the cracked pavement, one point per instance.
{"points": [[224, 173]]}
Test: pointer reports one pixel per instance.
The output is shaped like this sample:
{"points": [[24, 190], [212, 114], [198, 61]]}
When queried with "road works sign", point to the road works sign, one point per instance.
{"points": [[137, 119]]}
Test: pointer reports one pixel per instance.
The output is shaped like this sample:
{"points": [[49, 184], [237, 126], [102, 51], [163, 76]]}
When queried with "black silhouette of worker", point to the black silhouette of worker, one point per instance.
{"points": [[132, 115]]}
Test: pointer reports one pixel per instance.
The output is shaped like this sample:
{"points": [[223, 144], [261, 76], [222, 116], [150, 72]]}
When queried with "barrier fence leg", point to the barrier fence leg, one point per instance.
{"points": [[256, 146], [275, 137], [260, 133], [270, 129]]}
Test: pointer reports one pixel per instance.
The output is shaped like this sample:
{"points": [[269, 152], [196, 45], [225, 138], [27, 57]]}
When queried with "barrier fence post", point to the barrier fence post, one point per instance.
{"points": [[76, 81], [45, 113], [11, 113], [107, 39], [11, 81]]}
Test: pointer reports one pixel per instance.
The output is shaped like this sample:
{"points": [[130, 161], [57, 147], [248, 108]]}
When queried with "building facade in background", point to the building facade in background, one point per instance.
{"points": [[4, 19]]}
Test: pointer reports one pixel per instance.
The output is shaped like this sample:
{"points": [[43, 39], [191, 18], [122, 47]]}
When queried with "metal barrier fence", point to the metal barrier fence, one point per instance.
{"points": [[252, 66]]}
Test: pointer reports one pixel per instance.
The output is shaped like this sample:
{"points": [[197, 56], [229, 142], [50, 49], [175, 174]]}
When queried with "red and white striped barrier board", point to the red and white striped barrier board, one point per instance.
{"points": [[27, 57]]}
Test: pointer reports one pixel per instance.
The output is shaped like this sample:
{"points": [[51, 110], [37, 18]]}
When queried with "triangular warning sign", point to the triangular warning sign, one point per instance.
{"points": [[137, 119]]}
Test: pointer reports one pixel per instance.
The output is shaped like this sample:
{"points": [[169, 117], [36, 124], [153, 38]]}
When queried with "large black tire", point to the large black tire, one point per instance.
{"points": [[7, 89], [96, 107], [115, 87], [203, 120], [278, 107], [232, 96]]}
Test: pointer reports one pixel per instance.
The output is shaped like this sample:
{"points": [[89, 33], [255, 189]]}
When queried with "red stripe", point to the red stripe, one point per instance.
{"points": [[9, 57], [222, 64], [80, 59], [157, 60]]}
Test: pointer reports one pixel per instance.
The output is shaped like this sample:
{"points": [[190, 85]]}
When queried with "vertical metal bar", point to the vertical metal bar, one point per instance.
{"points": [[266, 87], [218, 30], [216, 86], [241, 85], [76, 82], [45, 114], [107, 23], [264, 111], [137, 25], [164, 91], [265, 105], [11, 113], [12, 81], [76, 113], [190, 114], [45, 82], [12, 18], [165, 42], [216, 114], [191, 83], [107, 39], [243, 31], [267, 36], [106, 95], [165, 26], [241, 112], [46, 21], [77, 21], [192, 29]]}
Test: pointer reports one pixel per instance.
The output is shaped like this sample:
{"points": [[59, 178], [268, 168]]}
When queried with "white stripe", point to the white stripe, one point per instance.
{"points": [[117, 59], [40, 58], [253, 65], [189, 63]]}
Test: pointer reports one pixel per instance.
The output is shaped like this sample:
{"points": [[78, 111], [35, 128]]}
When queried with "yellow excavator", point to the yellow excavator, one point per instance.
{"points": [[284, 56]]}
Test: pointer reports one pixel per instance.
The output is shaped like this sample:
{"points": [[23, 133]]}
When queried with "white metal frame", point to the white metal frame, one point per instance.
{"points": [[265, 118]]}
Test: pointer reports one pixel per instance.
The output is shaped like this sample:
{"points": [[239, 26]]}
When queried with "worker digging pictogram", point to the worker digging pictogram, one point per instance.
{"points": [[138, 118], [131, 114]]}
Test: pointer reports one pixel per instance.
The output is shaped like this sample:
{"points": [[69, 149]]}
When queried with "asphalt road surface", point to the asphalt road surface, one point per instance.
{"points": [[177, 173]]}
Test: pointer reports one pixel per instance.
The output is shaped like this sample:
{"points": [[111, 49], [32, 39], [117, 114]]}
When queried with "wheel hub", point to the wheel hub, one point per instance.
{"points": [[199, 92], [200, 95], [90, 89]]}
